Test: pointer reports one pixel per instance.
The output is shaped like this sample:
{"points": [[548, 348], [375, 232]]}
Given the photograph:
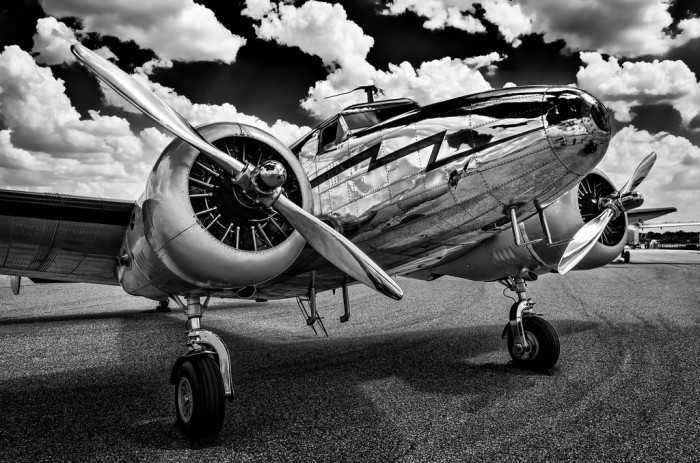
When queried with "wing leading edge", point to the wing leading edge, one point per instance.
{"points": [[642, 215], [61, 237]]}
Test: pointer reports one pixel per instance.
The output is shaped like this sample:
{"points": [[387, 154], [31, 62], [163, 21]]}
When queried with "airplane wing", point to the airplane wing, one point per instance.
{"points": [[642, 215], [646, 226], [61, 237]]}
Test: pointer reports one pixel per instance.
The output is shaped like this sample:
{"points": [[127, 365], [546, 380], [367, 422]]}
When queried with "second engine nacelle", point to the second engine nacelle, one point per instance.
{"points": [[500, 257], [195, 229]]}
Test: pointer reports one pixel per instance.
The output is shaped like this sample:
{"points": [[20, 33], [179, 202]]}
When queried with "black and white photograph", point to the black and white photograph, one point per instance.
{"points": [[349, 231]]}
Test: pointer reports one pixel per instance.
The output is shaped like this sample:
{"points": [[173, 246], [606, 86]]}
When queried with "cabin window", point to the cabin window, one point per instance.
{"points": [[331, 136]]}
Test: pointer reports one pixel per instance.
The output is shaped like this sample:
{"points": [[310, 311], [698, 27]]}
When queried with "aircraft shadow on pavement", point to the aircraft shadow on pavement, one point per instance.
{"points": [[22, 320], [116, 314], [322, 397]]}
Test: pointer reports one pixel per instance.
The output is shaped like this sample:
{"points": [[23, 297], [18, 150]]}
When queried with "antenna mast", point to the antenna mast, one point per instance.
{"points": [[370, 90]]}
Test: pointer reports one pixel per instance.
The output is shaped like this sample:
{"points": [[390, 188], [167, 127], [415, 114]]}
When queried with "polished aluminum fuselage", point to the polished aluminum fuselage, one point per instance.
{"points": [[461, 164], [415, 191]]}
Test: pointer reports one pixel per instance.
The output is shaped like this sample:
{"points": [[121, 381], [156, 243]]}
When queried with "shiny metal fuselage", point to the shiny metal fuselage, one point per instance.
{"points": [[466, 161], [421, 188]]}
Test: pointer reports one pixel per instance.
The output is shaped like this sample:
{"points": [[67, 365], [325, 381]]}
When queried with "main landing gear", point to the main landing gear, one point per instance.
{"points": [[532, 341], [202, 378]]}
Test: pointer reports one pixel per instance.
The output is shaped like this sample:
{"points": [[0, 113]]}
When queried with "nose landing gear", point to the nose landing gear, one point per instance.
{"points": [[199, 398], [202, 379], [533, 343]]}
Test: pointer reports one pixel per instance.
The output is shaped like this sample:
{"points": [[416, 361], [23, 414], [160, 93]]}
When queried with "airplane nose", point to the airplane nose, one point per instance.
{"points": [[578, 128]]}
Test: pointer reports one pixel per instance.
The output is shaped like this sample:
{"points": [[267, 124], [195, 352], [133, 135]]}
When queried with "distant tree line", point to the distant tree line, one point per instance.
{"points": [[679, 236]]}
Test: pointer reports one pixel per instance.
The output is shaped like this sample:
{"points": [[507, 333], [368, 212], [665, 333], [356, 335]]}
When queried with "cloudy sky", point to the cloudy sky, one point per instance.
{"points": [[272, 63]]}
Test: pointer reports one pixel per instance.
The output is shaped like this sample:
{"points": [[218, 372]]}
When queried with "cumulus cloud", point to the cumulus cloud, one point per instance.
{"points": [[317, 28], [619, 27], [432, 81], [508, 16], [174, 29], [439, 13], [675, 177], [58, 151], [197, 113], [52, 42], [324, 30], [623, 86]]}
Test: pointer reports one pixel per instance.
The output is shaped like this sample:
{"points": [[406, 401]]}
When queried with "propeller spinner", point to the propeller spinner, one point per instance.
{"points": [[614, 205], [329, 243]]}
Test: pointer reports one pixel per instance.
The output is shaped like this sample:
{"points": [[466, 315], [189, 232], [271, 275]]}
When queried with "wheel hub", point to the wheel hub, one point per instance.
{"points": [[532, 352], [184, 399]]}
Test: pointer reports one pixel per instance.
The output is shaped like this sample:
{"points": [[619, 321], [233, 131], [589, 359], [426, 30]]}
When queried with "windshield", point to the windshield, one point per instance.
{"points": [[367, 117], [360, 120]]}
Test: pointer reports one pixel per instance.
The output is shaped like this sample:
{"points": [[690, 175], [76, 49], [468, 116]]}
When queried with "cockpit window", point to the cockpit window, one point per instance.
{"points": [[361, 120], [351, 120]]}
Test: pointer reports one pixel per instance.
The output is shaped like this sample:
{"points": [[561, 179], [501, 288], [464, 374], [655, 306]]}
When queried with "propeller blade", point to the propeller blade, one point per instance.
{"points": [[337, 249], [583, 241], [152, 106], [587, 236], [639, 174]]}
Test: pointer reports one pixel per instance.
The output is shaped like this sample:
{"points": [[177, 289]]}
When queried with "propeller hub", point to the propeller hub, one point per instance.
{"points": [[612, 203], [631, 200], [269, 176]]}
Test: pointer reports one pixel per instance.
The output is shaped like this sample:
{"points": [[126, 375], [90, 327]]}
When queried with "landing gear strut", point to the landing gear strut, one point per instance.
{"points": [[202, 378], [533, 342]]}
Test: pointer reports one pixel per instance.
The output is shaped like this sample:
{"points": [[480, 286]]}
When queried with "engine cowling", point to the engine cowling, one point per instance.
{"points": [[194, 228], [499, 257]]}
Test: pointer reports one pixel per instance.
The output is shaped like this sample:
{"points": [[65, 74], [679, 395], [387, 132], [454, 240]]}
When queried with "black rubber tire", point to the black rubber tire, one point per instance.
{"points": [[626, 257], [545, 340], [205, 417]]}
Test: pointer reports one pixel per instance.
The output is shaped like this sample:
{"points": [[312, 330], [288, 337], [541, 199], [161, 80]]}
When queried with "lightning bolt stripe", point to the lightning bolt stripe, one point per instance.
{"points": [[372, 152], [436, 140]]}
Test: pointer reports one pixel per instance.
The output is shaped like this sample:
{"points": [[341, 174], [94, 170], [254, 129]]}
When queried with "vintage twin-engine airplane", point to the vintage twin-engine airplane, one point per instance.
{"points": [[495, 186]]}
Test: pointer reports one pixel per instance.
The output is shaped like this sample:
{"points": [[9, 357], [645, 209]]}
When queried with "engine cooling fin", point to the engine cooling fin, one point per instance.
{"points": [[226, 211], [591, 191]]}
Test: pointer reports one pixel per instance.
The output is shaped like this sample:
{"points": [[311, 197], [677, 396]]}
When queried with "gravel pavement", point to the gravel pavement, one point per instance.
{"points": [[84, 373]]}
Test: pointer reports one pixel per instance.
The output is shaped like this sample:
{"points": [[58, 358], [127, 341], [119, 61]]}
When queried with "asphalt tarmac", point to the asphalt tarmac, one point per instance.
{"points": [[84, 373]]}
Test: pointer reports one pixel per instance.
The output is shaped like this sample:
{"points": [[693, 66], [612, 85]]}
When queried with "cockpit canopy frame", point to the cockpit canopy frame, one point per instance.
{"points": [[352, 121]]}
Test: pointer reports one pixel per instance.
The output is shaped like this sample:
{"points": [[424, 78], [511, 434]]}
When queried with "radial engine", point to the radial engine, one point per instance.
{"points": [[193, 227], [499, 257]]}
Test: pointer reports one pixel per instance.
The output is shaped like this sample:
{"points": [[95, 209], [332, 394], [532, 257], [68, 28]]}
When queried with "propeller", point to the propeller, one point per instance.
{"points": [[614, 204], [333, 246]]}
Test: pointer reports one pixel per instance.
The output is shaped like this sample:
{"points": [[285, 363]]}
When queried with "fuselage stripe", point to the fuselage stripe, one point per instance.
{"points": [[435, 140]]}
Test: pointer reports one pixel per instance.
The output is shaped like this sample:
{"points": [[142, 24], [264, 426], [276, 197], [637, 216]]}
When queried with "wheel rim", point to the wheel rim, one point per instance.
{"points": [[534, 349], [184, 399]]}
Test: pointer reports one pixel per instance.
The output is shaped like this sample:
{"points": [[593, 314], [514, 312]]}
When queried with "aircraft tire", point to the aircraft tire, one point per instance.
{"points": [[199, 398], [626, 257], [545, 344]]}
